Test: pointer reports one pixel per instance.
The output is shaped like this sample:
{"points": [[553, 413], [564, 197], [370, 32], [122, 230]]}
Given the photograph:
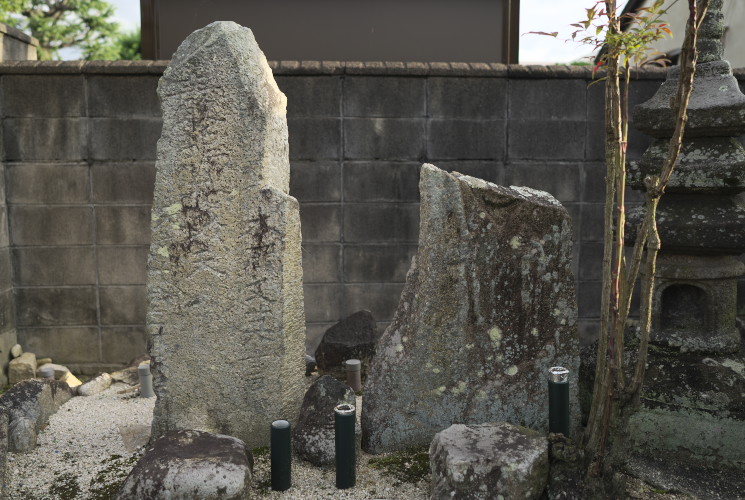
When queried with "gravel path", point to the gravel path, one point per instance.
{"points": [[92, 443]]}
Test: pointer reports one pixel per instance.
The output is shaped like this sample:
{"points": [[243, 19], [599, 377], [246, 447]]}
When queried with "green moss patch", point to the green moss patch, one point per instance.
{"points": [[410, 466]]}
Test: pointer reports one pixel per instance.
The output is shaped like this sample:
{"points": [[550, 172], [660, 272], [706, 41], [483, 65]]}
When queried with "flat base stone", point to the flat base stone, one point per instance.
{"points": [[488, 461], [191, 465]]}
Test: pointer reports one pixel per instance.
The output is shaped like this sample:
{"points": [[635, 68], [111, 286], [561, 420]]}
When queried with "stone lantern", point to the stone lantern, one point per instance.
{"points": [[693, 399]]}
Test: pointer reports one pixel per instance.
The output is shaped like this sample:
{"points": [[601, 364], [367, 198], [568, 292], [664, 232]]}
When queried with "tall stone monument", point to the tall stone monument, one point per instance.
{"points": [[224, 274], [693, 400], [488, 307]]}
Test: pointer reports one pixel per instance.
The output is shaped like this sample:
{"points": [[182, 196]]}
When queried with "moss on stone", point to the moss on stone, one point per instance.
{"points": [[410, 466]]}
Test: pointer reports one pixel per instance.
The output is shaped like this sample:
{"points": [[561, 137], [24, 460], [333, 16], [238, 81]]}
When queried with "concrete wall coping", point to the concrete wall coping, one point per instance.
{"points": [[329, 68], [18, 34], [387, 68]]}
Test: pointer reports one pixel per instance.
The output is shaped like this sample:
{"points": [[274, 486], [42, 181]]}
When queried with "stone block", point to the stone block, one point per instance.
{"points": [[472, 98], [377, 263], [311, 95], [320, 222], [380, 299], [314, 138], [315, 181], [45, 225], [384, 138], [120, 139], [369, 181], [589, 294], [321, 263], [489, 461], [123, 344], [50, 306], [123, 225], [370, 223], [593, 221], [65, 345], [41, 183], [43, 96], [450, 139], [22, 368], [7, 316], [29, 139], [123, 305], [191, 464], [591, 254], [371, 96], [123, 182], [323, 302], [554, 99], [5, 270], [594, 185], [50, 266], [122, 265], [546, 140], [118, 95], [562, 180], [492, 171], [4, 230]]}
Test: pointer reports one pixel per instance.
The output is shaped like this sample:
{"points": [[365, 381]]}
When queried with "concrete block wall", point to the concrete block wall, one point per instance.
{"points": [[8, 335], [80, 143]]}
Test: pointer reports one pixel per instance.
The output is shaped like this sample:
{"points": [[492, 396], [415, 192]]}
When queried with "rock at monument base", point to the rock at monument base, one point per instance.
{"points": [[59, 370], [313, 436], [97, 384], [30, 403], [22, 368], [225, 272], [488, 307], [488, 461], [191, 465], [353, 337]]}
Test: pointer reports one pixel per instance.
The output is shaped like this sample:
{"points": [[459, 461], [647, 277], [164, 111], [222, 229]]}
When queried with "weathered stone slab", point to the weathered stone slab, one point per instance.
{"points": [[29, 404], [191, 465], [224, 274], [313, 436], [97, 384], [488, 461], [488, 306]]}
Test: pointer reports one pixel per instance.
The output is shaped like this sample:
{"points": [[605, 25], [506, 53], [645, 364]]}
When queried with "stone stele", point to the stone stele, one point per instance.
{"points": [[224, 275], [488, 306]]}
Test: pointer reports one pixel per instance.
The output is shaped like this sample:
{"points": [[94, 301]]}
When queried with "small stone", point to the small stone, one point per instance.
{"points": [[488, 461], [16, 350], [43, 361], [70, 379], [22, 368], [59, 370], [313, 436], [191, 464], [95, 385]]}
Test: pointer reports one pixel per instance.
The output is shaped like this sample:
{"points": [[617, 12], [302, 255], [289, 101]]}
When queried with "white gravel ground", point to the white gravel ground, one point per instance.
{"points": [[81, 455]]}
